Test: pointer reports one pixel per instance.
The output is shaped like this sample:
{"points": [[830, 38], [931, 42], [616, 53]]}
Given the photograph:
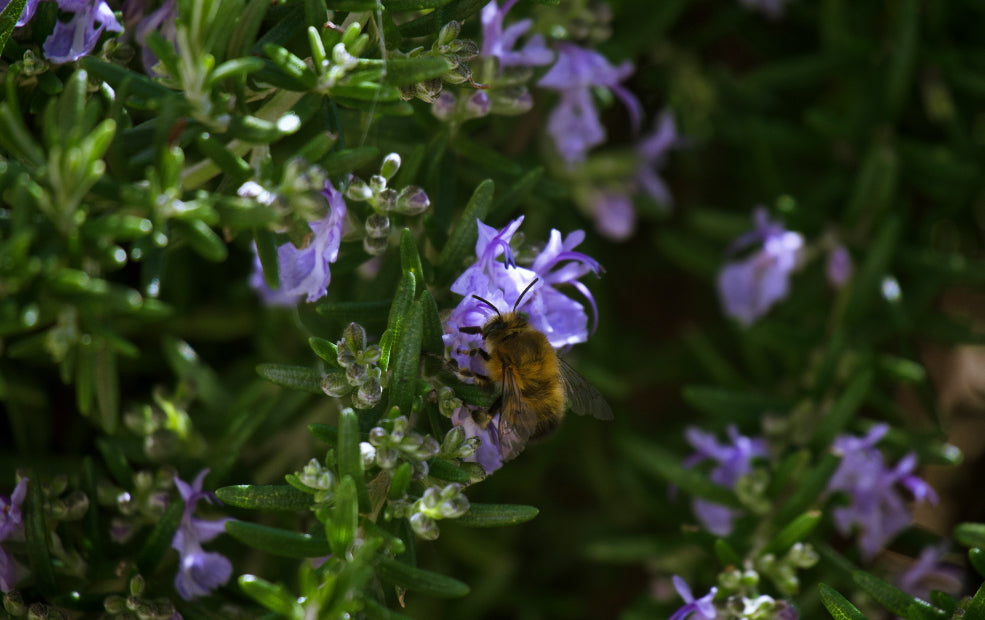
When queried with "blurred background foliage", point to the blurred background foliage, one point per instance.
{"points": [[130, 334]]}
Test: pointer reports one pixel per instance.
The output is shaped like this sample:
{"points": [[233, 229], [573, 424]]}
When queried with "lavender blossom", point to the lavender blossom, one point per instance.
{"points": [[498, 43], [488, 454], [612, 208], [877, 510], [928, 572], [700, 608], [838, 268], [734, 461], [11, 528], [306, 271], [164, 20], [574, 123], [26, 14], [78, 37], [562, 319], [750, 287], [199, 571]]}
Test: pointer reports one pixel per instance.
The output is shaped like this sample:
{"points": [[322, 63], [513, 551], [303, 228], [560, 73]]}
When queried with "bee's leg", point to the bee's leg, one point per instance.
{"points": [[482, 417], [545, 428]]}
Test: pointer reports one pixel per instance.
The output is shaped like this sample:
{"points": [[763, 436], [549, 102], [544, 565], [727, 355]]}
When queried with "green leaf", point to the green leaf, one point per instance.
{"points": [[431, 341], [420, 580], [654, 460], [265, 497], [812, 485], [837, 605], [201, 238], [446, 470], [401, 480], [409, 71], [8, 19], [459, 10], [413, 5], [295, 377], [976, 608], [627, 549], [325, 349], [848, 403], [291, 65], [115, 75], [107, 387], [402, 301], [795, 531], [865, 285], [350, 456], [347, 160], [227, 161], [977, 558], [727, 556], [894, 599], [273, 596], [160, 538], [410, 258], [463, 238], [324, 432], [341, 529], [37, 537], [970, 534], [496, 515], [116, 462], [902, 61], [276, 541], [404, 365]]}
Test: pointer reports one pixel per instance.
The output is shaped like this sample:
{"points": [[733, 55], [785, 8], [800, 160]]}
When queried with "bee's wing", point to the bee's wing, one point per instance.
{"points": [[517, 420], [581, 396]]}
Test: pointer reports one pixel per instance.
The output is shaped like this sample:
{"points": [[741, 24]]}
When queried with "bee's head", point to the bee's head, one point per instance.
{"points": [[501, 324]]}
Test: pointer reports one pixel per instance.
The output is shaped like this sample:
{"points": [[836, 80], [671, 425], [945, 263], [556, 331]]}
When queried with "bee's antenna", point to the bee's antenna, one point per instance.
{"points": [[488, 303], [518, 299]]}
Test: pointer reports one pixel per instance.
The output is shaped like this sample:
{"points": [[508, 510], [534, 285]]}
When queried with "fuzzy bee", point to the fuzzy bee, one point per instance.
{"points": [[536, 386]]}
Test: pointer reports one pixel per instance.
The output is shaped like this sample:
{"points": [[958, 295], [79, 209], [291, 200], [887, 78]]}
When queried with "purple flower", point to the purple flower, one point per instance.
{"points": [[165, 21], [562, 319], [488, 454], [26, 15], [839, 267], [574, 123], [734, 461], [199, 572], [11, 528], [305, 271], [927, 573], [750, 287], [701, 608], [78, 37], [613, 208], [877, 507], [498, 43]]}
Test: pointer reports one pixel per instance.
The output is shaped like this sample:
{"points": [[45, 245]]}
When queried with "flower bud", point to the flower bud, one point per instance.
{"points": [[342, 57], [377, 183], [13, 603], [371, 354], [443, 107], [449, 32], [424, 526], [387, 458], [375, 246], [478, 105], [390, 166], [356, 374], [358, 190], [368, 453], [412, 200], [336, 384], [511, 101], [377, 436], [428, 90]]}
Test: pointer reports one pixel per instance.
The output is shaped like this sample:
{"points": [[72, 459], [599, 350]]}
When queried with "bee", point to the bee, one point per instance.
{"points": [[537, 386]]}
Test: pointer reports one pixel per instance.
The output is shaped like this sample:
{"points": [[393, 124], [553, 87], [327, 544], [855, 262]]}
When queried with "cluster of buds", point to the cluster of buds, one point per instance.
{"points": [[411, 200], [135, 606], [456, 446], [783, 571], [145, 505], [448, 403], [393, 443], [318, 477], [362, 376], [298, 191], [435, 504], [459, 52], [451, 109]]}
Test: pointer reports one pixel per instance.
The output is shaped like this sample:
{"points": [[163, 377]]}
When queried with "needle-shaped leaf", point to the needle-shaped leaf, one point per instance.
{"points": [[273, 596], [38, 537], [405, 360], [265, 497], [466, 232], [496, 515], [160, 538], [294, 377], [420, 580], [350, 456], [275, 541], [837, 605], [895, 600]]}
